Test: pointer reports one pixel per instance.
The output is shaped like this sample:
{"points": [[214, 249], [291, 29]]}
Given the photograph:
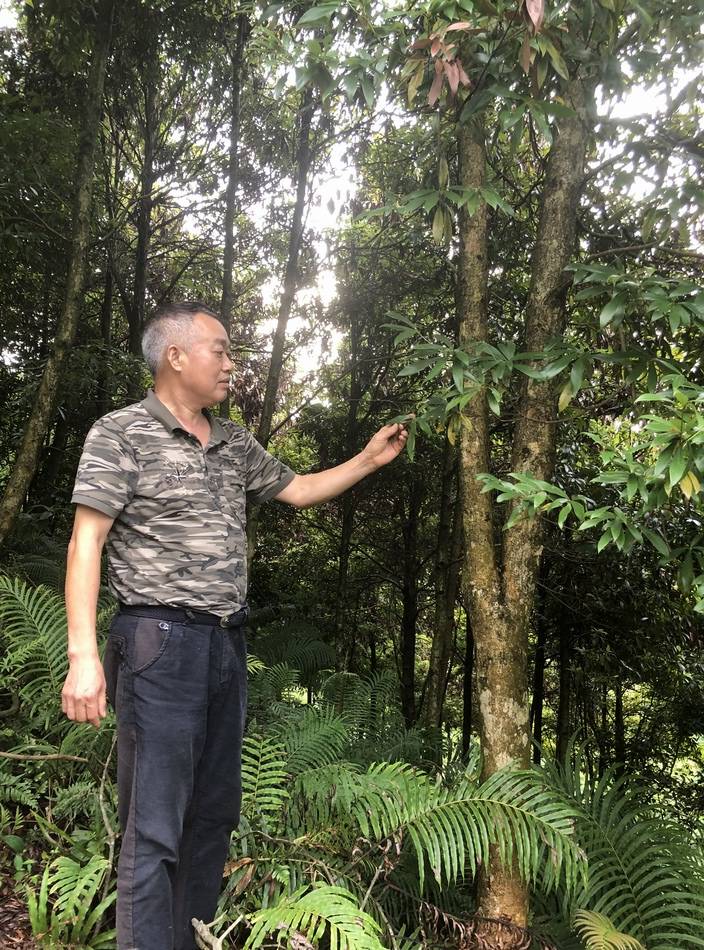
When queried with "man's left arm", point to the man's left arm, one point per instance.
{"points": [[306, 490]]}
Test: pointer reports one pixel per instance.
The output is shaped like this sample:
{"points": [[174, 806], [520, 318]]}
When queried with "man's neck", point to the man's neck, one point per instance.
{"points": [[189, 413]]}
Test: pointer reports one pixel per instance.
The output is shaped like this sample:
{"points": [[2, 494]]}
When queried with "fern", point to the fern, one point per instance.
{"points": [[310, 914], [263, 778], [599, 933], [74, 915], [34, 626], [645, 874], [16, 791], [315, 737]]}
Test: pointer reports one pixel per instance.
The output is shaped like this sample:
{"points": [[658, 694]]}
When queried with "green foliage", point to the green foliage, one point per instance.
{"points": [[599, 933], [312, 913], [646, 878], [34, 628], [68, 908]]}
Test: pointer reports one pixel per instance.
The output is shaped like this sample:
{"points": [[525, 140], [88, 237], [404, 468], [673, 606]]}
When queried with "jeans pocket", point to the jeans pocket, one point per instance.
{"points": [[112, 659], [146, 639]]}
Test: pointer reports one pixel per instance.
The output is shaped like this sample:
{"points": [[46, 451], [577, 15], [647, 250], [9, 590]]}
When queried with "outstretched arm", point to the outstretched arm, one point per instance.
{"points": [[382, 448], [83, 695]]}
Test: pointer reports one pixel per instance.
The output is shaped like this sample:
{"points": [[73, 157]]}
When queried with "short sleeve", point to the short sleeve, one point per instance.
{"points": [[107, 472], [266, 475]]}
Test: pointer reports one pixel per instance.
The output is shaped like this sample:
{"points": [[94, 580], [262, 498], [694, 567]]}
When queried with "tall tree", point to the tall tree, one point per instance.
{"points": [[27, 458]]}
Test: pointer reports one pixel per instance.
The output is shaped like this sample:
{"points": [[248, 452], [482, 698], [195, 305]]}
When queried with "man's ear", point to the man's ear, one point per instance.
{"points": [[174, 357]]}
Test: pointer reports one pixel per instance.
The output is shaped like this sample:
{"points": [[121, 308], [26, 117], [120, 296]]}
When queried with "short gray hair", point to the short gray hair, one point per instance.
{"points": [[172, 323]]}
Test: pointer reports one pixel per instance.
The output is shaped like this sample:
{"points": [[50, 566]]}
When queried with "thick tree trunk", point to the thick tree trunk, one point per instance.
{"points": [[27, 458], [501, 589], [303, 164], [447, 559], [233, 174], [409, 616]]}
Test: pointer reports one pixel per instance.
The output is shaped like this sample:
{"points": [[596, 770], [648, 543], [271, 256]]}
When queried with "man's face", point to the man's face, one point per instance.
{"points": [[205, 362]]}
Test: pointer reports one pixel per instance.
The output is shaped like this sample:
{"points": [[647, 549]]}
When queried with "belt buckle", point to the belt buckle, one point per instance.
{"points": [[225, 621]]}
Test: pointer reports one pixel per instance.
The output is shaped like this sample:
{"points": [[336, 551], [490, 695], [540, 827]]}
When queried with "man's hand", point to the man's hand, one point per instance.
{"points": [[386, 445], [83, 695]]}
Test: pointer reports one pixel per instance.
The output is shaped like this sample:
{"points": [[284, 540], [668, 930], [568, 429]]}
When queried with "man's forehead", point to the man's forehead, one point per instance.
{"points": [[211, 329]]}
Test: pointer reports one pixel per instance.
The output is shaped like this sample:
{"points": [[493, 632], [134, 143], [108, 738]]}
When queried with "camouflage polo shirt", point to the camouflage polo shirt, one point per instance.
{"points": [[178, 537]]}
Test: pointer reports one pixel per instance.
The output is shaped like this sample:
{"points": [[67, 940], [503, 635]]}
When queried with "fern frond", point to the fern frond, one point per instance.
{"points": [[316, 737], [264, 778], [313, 914], [645, 874], [599, 933], [452, 828], [16, 790], [33, 623]]}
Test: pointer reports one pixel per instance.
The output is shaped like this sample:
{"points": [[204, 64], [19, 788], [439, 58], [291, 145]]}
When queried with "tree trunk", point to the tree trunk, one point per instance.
{"points": [[349, 499], [409, 617], [27, 458], [233, 174], [501, 589], [144, 217], [303, 163], [467, 686], [619, 726], [447, 557], [538, 693], [563, 708]]}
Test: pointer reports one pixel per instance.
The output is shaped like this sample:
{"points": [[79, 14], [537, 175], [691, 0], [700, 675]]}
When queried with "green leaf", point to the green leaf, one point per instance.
{"points": [[657, 541], [614, 308], [317, 15]]}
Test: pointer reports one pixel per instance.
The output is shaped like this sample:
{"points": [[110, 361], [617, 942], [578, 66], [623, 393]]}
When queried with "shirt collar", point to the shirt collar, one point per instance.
{"points": [[156, 408]]}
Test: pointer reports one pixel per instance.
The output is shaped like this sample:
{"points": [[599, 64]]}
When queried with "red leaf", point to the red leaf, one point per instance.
{"points": [[536, 12], [421, 44], [434, 93], [462, 25], [464, 78], [435, 47], [453, 76]]}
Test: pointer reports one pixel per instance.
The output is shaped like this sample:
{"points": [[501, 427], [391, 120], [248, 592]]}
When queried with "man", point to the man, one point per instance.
{"points": [[165, 484]]}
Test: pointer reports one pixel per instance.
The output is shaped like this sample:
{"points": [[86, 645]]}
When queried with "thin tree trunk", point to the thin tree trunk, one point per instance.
{"points": [[564, 701], [447, 557], [303, 164], [233, 174], [538, 693], [146, 202], [619, 726], [409, 616], [27, 458], [349, 499], [467, 686]]}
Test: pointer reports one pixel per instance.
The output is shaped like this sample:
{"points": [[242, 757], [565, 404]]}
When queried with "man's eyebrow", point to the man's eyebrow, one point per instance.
{"points": [[222, 341]]}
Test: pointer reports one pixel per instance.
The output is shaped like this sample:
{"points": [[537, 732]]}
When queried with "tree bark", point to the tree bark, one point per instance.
{"points": [[349, 499], [150, 77], [303, 164], [467, 686], [409, 616], [27, 458], [233, 174], [564, 701], [538, 693], [447, 558], [501, 585]]}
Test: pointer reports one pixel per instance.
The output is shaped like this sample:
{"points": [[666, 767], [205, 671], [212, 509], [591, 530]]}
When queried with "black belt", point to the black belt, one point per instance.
{"points": [[186, 615]]}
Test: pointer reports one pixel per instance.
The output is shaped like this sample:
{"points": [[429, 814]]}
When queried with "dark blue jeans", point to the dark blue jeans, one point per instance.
{"points": [[180, 694]]}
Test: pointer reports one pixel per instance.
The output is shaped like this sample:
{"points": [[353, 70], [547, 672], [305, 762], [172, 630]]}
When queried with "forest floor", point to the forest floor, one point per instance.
{"points": [[15, 931]]}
